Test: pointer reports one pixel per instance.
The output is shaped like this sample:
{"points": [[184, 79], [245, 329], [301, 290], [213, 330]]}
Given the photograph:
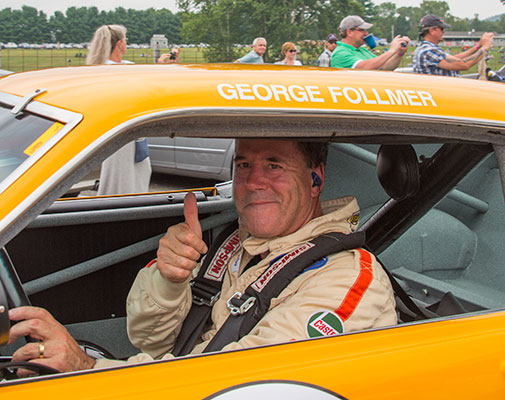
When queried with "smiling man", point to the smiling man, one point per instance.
{"points": [[255, 56], [350, 52], [277, 188]]}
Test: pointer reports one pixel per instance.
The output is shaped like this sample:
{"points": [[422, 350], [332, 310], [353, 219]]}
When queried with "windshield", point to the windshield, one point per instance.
{"points": [[21, 136]]}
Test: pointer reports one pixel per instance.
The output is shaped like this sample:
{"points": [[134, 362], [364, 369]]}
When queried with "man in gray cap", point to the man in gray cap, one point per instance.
{"points": [[329, 46], [430, 59], [351, 54]]}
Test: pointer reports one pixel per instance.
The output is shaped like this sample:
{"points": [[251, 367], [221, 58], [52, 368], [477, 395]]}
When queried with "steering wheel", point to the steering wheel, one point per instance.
{"points": [[12, 293], [8, 369]]}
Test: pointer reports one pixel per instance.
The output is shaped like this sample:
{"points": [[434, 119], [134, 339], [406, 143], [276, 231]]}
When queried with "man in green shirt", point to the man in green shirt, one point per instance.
{"points": [[350, 52]]}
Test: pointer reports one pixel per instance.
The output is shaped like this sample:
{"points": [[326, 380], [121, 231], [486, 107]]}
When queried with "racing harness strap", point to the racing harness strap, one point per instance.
{"points": [[247, 309]]}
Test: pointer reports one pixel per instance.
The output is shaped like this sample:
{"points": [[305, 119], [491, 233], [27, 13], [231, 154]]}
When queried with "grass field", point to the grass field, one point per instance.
{"points": [[25, 60], [28, 59]]}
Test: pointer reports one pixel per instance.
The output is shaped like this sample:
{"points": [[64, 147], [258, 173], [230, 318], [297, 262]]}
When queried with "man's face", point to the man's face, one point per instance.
{"points": [[331, 45], [260, 47], [273, 187], [437, 33], [356, 36]]}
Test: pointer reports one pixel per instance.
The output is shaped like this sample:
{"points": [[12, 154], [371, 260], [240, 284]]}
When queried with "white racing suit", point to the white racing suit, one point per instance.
{"points": [[343, 292]]}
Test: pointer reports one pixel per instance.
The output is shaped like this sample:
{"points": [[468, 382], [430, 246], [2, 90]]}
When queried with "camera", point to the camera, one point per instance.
{"points": [[173, 55]]}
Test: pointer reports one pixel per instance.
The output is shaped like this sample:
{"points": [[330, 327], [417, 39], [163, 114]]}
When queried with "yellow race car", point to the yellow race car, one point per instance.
{"points": [[425, 157]]}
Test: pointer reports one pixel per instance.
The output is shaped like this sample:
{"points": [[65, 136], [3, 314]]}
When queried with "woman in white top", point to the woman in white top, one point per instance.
{"points": [[108, 46], [289, 51], [129, 169]]}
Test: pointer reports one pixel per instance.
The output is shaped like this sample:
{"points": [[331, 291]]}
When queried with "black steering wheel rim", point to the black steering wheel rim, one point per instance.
{"points": [[8, 369]]}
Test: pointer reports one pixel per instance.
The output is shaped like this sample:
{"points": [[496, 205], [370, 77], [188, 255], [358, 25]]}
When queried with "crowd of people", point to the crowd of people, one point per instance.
{"points": [[350, 51]]}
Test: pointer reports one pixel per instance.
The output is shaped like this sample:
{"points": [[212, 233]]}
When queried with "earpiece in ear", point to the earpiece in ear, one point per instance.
{"points": [[316, 180]]}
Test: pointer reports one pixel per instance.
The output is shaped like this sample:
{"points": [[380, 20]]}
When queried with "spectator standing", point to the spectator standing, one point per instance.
{"points": [[170, 58], [108, 46], [350, 52], [430, 59], [289, 52], [329, 45], [255, 56], [129, 169]]}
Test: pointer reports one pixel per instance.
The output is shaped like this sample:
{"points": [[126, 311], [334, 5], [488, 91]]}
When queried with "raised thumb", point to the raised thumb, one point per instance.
{"points": [[191, 214]]}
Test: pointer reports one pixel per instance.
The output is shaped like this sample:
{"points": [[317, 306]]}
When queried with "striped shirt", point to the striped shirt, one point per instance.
{"points": [[426, 59]]}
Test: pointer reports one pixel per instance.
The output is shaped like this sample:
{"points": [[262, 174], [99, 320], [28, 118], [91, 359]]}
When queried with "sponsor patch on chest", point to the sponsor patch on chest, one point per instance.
{"points": [[324, 323], [277, 266], [217, 266]]}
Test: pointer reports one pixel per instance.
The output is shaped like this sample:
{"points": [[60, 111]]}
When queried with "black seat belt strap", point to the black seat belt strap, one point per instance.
{"points": [[415, 312], [205, 289], [247, 309]]}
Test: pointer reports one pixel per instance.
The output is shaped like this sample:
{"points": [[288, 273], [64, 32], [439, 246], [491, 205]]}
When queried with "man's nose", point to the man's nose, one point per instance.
{"points": [[256, 179]]}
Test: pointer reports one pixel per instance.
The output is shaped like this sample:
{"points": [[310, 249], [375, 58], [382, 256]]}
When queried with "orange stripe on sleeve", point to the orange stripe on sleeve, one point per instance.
{"points": [[151, 263], [359, 287]]}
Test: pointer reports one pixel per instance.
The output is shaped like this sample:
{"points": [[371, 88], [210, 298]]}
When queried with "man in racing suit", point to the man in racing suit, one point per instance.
{"points": [[277, 185]]}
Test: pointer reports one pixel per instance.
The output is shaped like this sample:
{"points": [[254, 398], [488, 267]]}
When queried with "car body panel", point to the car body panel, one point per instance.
{"points": [[196, 157], [392, 361], [457, 356]]}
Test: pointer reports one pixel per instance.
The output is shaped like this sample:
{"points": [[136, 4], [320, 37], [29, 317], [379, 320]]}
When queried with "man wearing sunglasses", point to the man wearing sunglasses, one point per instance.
{"points": [[430, 59], [350, 52], [329, 46]]}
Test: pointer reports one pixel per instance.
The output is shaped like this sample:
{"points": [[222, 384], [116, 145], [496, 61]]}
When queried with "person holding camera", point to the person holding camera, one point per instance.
{"points": [[170, 58], [429, 58], [350, 52]]}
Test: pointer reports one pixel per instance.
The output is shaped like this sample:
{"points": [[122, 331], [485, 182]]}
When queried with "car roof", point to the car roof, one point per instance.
{"points": [[133, 90]]}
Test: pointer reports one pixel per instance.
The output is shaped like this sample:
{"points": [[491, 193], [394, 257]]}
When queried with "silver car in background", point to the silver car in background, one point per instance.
{"points": [[195, 157]]}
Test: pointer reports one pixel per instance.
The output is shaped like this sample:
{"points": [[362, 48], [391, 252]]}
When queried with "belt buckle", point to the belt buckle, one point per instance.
{"points": [[242, 308]]}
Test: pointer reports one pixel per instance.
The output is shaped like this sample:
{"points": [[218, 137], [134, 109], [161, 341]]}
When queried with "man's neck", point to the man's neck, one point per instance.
{"points": [[431, 39], [349, 42]]}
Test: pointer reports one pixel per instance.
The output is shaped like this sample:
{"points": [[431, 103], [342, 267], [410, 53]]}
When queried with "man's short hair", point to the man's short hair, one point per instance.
{"points": [[315, 153], [255, 41]]}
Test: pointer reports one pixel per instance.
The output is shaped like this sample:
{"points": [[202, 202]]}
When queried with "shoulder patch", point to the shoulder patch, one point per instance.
{"points": [[353, 219], [324, 323]]}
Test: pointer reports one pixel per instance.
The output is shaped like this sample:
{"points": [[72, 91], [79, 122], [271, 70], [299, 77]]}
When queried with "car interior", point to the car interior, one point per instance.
{"points": [[430, 206]]}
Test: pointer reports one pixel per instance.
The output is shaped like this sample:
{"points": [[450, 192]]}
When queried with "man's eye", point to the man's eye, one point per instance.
{"points": [[242, 165], [274, 166]]}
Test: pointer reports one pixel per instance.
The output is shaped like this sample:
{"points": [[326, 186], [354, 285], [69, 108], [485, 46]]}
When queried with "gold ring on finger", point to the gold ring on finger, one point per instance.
{"points": [[42, 347]]}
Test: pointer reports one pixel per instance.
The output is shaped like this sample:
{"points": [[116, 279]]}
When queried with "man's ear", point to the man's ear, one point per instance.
{"points": [[318, 180]]}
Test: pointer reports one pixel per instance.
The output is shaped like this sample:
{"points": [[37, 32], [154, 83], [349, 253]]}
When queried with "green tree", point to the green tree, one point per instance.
{"points": [[223, 23]]}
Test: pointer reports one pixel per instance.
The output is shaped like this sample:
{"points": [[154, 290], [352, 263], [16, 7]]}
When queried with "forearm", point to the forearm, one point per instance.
{"points": [[392, 63], [467, 53], [156, 309], [376, 62], [455, 64]]}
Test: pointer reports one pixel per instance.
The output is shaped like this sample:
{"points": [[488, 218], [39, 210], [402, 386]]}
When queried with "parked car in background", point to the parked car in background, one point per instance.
{"points": [[195, 157], [424, 156]]}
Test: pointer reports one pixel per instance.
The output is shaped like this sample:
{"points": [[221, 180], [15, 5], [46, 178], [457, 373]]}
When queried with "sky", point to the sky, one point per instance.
{"points": [[458, 8]]}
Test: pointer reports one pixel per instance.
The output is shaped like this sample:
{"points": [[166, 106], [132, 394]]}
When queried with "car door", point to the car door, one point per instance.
{"points": [[211, 156], [161, 152]]}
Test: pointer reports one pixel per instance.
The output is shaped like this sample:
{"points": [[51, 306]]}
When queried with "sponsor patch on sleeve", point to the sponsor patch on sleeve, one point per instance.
{"points": [[324, 323]]}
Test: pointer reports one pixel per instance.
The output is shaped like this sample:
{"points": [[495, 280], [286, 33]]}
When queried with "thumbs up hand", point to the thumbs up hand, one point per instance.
{"points": [[182, 245]]}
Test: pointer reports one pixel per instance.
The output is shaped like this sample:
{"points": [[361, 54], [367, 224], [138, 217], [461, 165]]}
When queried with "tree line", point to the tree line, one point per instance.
{"points": [[224, 23], [77, 24]]}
